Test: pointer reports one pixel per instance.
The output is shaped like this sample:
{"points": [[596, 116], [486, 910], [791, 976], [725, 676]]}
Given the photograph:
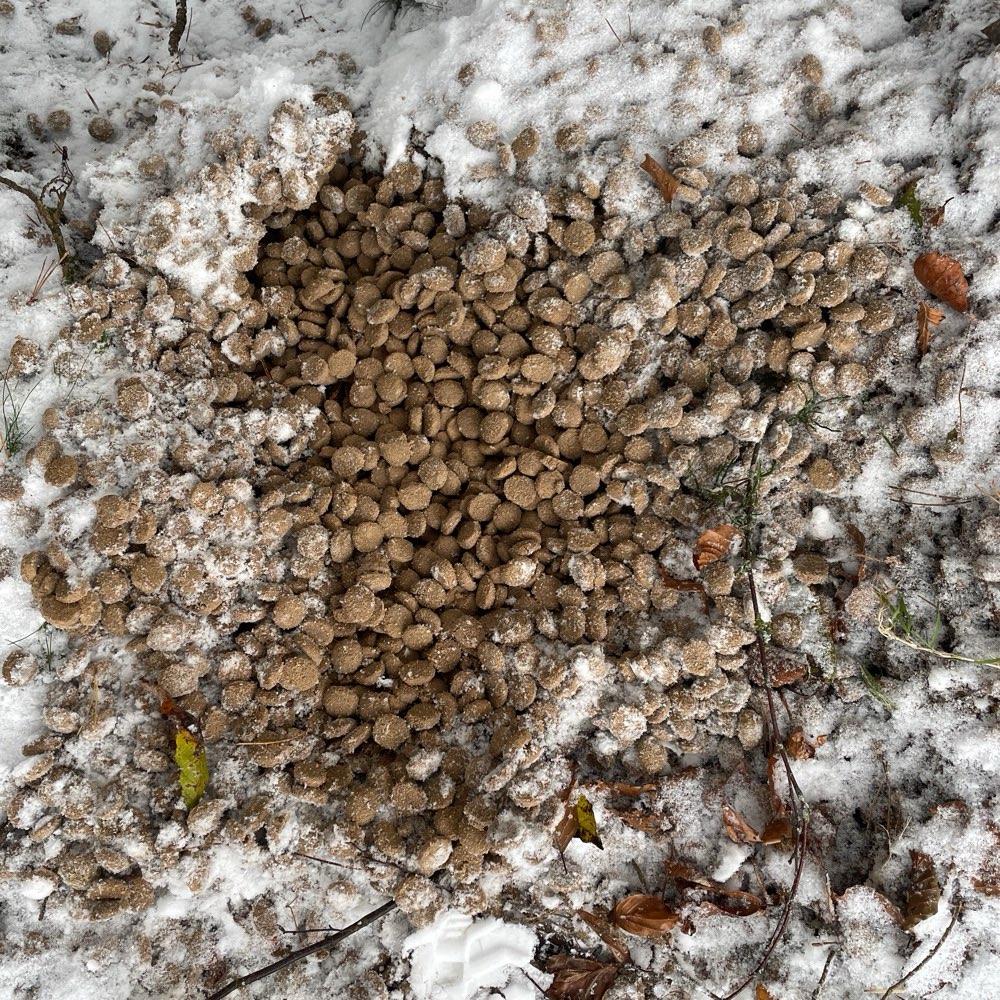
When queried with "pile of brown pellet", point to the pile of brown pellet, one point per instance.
{"points": [[381, 525]]}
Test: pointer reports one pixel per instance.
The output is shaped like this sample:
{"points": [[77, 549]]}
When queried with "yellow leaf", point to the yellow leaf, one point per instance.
{"points": [[189, 756], [587, 823]]}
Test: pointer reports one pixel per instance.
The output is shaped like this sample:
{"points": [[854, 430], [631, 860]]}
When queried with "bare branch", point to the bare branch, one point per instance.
{"points": [[297, 956], [899, 982]]}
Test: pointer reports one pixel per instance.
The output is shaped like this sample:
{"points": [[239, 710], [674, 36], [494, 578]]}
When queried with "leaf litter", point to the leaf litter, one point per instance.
{"points": [[936, 740]]}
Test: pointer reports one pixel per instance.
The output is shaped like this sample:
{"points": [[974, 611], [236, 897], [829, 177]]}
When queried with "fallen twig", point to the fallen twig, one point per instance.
{"points": [[177, 31], [899, 982], [297, 956]]}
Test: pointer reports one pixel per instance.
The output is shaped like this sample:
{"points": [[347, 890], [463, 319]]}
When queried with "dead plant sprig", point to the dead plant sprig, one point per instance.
{"points": [[45, 272], [800, 807], [48, 202], [747, 494], [895, 622]]}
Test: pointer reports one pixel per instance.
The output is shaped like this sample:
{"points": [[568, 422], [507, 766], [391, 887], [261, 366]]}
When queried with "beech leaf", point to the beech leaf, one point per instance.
{"points": [[943, 277], [566, 830], [738, 830], [697, 888], [663, 178], [927, 317], [925, 891], [798, 747], [778, 831], [601, 926], [644, 915], [579, 978]]}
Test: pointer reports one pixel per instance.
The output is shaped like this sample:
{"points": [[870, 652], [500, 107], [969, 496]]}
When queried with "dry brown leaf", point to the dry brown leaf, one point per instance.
{"points": [[959, 806], [936, 217], [760, 993], [695, 585], [986, 887], [867, 892], [599, 924], [644, 915], [943, 277], [778, 831], [738, 830], [697, 888], [778, 806], [566, 830], [622, 787], [798, 747], [714, 544], [858, 538], [925, 891], [927, 317], [642, 821], [579, 978], [784, 670], [663, 178]]}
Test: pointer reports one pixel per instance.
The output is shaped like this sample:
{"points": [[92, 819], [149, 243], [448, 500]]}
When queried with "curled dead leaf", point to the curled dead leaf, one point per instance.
{"points": [[738, 830], [663, 178], [777, 832], [857, 536], [566, 830], [781, 670], [601, 926], [623, 787], [943, 277], [925, 891], [694, 585], [936, 216], [927, 317], [986, 887], [644, 915], [798, 747], [694, 887], [714, 544], [867, 893], [579, 978]]}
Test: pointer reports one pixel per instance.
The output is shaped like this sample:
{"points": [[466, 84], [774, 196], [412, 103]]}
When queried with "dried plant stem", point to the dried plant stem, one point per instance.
{"points": [[885, 628], [311, 949], [899, 982], [51, 215], [800, 810], [177, 31], [44, 273]]}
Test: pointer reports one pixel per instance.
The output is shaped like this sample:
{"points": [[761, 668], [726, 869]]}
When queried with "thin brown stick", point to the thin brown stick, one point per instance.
{"points": [[613, 32], [297, 956], [961, 420], [44, 273], [826, 968], [957, 909]]}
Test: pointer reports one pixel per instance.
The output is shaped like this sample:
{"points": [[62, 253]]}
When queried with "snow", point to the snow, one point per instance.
{"points": [[913, 96]]}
